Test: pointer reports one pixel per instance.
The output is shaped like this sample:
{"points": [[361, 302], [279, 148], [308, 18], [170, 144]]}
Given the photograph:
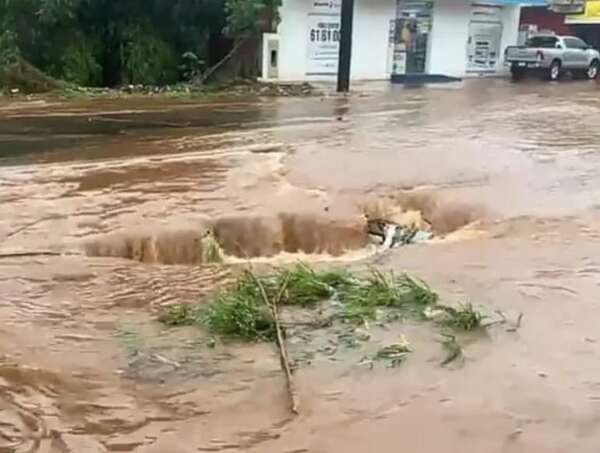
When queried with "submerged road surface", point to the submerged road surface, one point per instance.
{"points": [[507, 174]]}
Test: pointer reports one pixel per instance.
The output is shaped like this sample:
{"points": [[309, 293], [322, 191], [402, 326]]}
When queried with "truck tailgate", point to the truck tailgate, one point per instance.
{"points": [[520, 53]]}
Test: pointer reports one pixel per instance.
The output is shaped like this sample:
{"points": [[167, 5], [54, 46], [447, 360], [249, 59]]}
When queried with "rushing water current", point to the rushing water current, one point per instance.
{"points": [[113, 198]]}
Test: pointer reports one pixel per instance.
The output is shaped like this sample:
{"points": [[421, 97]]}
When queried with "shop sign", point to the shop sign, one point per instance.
{"points": [[591, 14], [323, 37]]}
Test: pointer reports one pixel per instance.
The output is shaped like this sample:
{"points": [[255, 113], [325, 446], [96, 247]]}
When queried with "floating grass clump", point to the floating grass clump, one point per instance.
{"points": [[464, 317], [402, 292], [453, 350], [241, 311], [396, 352], [249, 310], [306, 286], [240, 316]]}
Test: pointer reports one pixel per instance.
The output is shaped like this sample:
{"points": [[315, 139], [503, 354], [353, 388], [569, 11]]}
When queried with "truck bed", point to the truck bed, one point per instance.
{"points": [[521, 53]]}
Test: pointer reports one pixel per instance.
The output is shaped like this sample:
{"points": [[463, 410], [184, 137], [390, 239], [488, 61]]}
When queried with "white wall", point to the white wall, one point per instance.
{"points": [[369, 45], [292, 31], [371, 38], [447, 53], [449, 36]]}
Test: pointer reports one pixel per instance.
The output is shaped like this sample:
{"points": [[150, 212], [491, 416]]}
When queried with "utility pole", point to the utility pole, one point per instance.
{"points": [[343, 82]]}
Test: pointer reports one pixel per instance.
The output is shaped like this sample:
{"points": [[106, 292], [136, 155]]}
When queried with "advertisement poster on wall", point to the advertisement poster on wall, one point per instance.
{"points": [[485, 37], [323, 37], [590, 15]]}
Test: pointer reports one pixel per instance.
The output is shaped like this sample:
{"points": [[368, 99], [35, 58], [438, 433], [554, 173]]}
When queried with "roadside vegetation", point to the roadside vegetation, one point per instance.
{"points": [[65, 44], [243, 312]]}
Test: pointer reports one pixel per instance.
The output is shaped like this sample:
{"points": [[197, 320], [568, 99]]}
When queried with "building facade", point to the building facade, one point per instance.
{"points": [[584, 23], [449, 38]]}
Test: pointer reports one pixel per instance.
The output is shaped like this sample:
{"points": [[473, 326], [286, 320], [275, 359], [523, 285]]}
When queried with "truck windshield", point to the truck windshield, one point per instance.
{"points": [[545, 42]]}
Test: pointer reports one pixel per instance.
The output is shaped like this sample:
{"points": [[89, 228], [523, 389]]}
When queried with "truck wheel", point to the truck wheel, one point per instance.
{"points": [[554, 71], [516, 73], [592, 71]]}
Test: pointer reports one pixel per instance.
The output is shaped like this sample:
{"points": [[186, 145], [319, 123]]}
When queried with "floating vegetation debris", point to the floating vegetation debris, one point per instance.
{"points": [[306, 286], [340, 300], [464, 317], [239, 315], [512, 326], [402, 292], [395, 353], [453, 349], [240, 311]]}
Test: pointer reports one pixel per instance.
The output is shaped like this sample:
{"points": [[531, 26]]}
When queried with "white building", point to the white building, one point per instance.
{"points": [[448, 38]]}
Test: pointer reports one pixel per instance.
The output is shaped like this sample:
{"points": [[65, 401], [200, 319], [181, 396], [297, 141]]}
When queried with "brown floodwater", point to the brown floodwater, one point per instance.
{"points": [[120, 194]]}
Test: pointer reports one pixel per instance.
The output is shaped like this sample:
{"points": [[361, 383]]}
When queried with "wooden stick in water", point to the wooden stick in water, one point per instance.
{"points": [[28, 254], [283, 354]]}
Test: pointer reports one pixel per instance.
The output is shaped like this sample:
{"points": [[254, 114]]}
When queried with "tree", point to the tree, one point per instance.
{"points": [[246, 21], [109, 42]]}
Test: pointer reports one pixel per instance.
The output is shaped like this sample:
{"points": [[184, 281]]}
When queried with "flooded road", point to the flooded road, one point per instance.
{"points": [[123, 191]]}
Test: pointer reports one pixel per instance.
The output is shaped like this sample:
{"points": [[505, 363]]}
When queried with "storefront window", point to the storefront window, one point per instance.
{"points": [[412, 32]]}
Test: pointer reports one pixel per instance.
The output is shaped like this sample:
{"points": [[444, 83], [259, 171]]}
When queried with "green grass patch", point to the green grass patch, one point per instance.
{"points": [[236, 315], [401, 292], [307, 287], [241, 311]]}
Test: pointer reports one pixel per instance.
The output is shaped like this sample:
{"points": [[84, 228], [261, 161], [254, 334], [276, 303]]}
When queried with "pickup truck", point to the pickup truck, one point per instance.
{"points": [[552, 56]]}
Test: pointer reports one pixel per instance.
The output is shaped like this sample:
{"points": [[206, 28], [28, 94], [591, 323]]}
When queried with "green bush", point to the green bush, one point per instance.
{"points": [[78, 63], [9, 50], [147, 59], [100, 42]]}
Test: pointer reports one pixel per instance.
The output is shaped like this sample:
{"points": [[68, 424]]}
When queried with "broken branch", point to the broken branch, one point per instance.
{"points": [[283, 354], [28, 254], [210, 71]]}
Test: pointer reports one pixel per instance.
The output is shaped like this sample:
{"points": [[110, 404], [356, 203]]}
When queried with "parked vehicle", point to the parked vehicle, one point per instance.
{"points": [[552, 56]]}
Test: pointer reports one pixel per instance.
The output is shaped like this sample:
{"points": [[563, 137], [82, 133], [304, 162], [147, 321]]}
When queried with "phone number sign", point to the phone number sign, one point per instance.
{"points": [[323, 38]]}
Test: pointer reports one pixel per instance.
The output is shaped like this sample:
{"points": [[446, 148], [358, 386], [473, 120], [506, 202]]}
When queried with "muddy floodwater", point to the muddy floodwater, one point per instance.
{"points": [[118, 194]]}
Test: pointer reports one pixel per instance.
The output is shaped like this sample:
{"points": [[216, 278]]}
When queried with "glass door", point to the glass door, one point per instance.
{"points": [[412, 31]]}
